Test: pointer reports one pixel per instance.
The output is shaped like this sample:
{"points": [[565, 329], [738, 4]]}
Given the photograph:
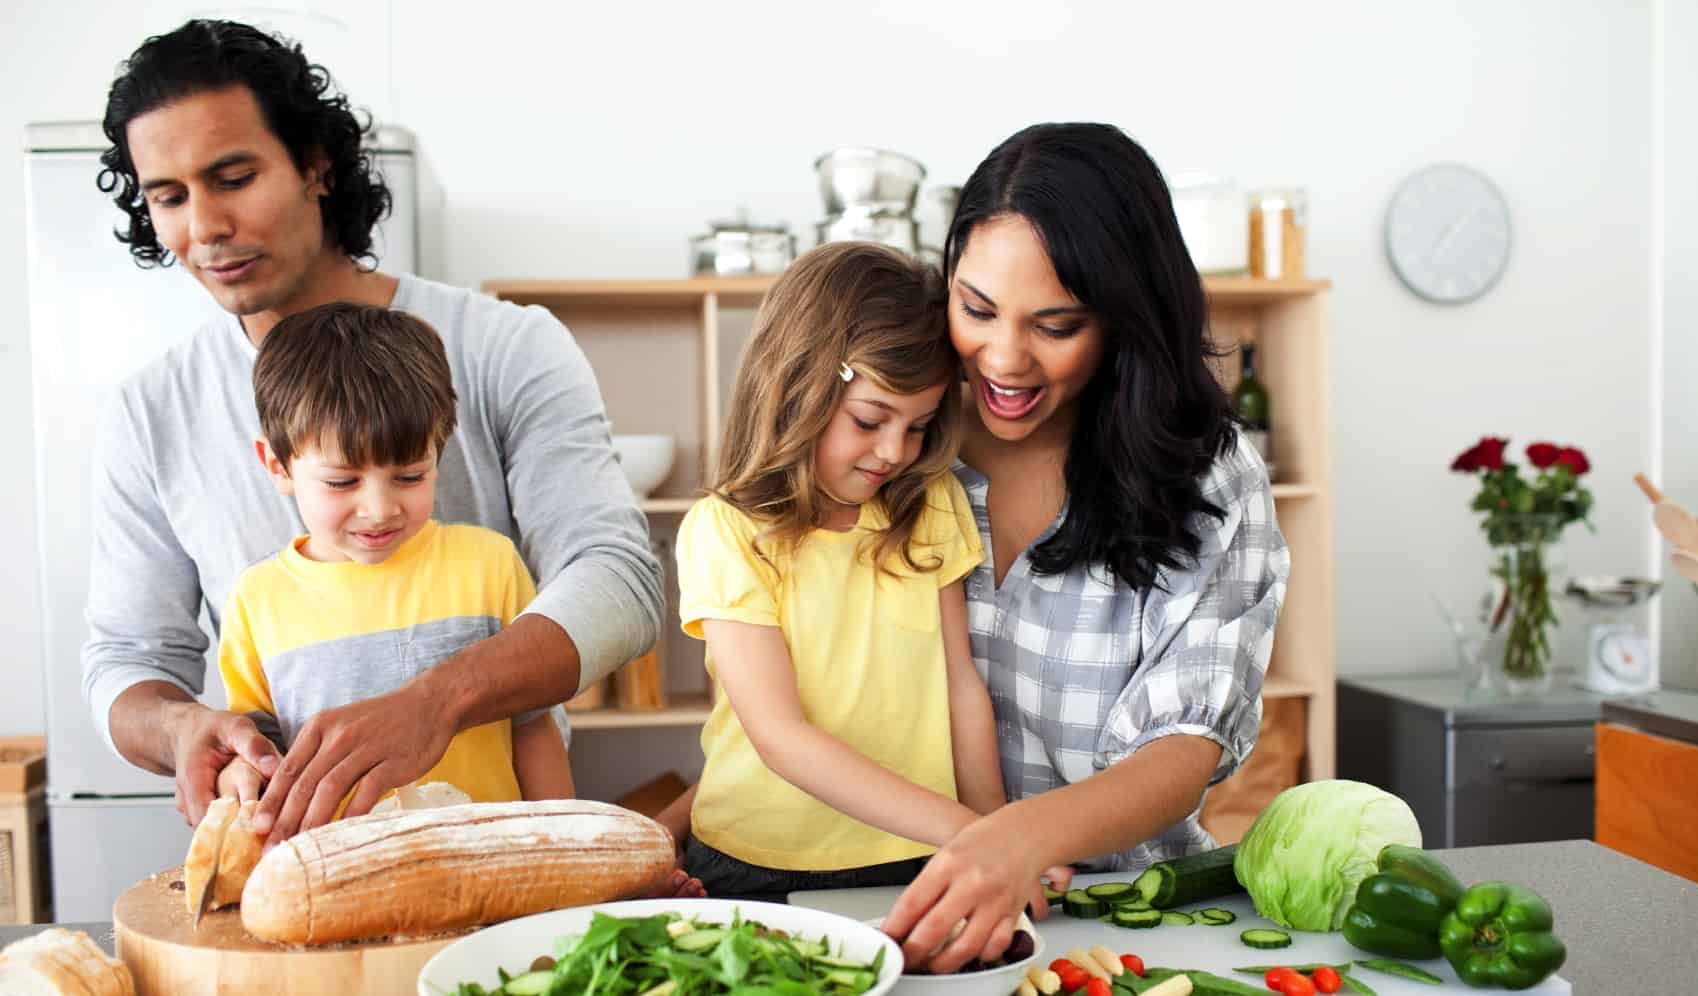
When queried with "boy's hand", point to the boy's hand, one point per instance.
{"points": [[241, 781], [367, 747]]}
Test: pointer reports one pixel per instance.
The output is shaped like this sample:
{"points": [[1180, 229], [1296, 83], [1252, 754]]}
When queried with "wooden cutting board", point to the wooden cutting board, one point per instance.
{"points": [[169, 956]]}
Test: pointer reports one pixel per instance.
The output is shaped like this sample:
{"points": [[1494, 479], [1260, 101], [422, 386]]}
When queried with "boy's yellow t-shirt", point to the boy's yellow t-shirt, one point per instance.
{"points": [[301, 636], [867, 650]]}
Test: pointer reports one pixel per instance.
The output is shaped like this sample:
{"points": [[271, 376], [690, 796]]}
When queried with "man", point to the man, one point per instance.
{"points": [[232, 157]]}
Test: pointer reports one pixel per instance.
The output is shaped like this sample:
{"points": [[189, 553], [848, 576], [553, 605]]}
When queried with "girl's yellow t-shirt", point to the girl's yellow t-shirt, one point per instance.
{"points": [[867, 649]]}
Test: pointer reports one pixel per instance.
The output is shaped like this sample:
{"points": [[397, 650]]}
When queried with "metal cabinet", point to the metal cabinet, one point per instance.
{"points": [[1474, 771]]}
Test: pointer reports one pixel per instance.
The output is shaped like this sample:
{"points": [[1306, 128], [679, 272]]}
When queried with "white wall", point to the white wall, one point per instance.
{"points": [[1678, 404], [579, 140]]}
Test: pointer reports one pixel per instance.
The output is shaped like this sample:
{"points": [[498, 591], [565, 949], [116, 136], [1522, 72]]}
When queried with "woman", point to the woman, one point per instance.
{"points": [[1134, 572]]}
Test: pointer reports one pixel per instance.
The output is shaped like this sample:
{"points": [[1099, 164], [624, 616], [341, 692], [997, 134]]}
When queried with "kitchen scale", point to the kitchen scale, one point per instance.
{"points": [[1618, 655]]}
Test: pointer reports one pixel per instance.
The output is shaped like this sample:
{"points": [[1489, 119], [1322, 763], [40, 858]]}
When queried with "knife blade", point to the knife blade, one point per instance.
{"points": [[212, 877]]}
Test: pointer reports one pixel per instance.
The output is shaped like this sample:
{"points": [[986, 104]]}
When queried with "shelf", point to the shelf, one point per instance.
{"points": [[662, 506], [684, 711], [732, 291], [1295, 491], [1286, 688], [747, 291], [1250, 290]]}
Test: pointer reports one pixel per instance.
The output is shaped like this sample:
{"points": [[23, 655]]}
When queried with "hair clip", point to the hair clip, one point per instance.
{"points": [[846, 372]]}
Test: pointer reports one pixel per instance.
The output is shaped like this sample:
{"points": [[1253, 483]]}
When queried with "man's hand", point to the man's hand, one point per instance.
{"points": [[368, 748], [204, 742]]}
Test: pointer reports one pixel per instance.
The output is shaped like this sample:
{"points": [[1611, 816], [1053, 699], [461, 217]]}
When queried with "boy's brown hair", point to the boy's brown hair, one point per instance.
{"points": [[374, 381], [855, 303]]}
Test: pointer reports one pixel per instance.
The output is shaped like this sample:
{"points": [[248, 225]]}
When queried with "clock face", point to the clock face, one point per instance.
{"points": [[1447, 233]]}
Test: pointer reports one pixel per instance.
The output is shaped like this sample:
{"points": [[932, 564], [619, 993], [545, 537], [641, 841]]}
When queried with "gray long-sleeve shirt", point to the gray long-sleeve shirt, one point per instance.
{"points": [[182, 506]]}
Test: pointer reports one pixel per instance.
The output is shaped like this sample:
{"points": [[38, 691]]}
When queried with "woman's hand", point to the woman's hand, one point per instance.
{"points": [[985, 875]]}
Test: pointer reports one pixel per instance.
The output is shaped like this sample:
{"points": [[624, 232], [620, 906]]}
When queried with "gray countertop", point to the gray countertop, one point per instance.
{"points": [[1665, 713], [1628, 925], [1444, 693]]}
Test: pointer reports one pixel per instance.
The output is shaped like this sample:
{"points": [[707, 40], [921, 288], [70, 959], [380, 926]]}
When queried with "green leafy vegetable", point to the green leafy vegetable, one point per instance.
{"points": [[640, 956], [1304, 856]]}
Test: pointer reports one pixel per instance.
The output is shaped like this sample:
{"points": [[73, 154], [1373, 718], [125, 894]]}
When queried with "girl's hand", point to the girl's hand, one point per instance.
{"points": [[985, 875], [240, 781]]}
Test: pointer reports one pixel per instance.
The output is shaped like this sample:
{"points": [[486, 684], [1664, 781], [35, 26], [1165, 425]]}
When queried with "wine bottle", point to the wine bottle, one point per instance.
{"points": [[1250, 398]]}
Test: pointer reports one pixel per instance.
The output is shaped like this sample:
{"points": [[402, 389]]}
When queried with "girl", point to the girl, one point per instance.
{"points": [[851, 736], [1134, 572]]}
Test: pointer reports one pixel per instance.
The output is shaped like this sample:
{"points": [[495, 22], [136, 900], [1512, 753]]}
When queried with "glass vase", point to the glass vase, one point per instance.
{"points": [[1519, 613]]}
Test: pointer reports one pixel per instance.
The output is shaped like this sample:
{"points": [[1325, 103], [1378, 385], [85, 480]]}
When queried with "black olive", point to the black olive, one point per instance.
{"points": [[542, 964], [1020, 948]]}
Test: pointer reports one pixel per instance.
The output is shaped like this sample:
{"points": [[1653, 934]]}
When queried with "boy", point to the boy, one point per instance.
{"points": [[356, 404]]}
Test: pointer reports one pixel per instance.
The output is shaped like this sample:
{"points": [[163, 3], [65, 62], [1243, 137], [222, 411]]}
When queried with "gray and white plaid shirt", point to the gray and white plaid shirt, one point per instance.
{"points": [[1084, 670]]}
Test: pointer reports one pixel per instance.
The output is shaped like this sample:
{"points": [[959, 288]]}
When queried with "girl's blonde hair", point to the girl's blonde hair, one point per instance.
{"points": [[854, 303]]}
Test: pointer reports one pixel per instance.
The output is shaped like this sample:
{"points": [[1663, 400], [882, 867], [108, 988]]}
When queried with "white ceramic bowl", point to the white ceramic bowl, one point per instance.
{"points": [[515, 944], [646, 460], [992, 982]]}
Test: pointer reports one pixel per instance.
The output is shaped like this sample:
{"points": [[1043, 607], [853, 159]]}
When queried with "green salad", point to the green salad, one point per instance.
{"points": [[667, 955]]}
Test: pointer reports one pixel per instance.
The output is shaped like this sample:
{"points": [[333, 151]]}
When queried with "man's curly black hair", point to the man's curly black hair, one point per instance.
{"points": [[299, 105]]}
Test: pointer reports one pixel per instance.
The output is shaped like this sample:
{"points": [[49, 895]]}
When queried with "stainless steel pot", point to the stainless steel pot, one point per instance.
{"points": [[895, 230], [736, 249], [862, 180]]}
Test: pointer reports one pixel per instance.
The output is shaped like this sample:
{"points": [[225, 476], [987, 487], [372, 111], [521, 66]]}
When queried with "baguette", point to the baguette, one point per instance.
{"points": [[236, 860], [198, 866], [58, 962], [418, 873]]}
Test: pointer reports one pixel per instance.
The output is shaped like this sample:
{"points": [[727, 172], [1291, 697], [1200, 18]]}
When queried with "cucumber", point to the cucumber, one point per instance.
{"points": [[1079, 903], [1174, 918], [1140, 919], [1265, 939], [529, 984], [1053, 896], [1109, 891], [1190, 879], [699, 940], [1214, 916]]}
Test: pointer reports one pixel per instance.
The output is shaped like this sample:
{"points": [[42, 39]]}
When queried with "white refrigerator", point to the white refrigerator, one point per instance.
{"points": [[95, 318]]}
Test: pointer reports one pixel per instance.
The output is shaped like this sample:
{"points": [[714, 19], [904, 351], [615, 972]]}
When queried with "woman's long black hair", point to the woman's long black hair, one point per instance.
{"points": [[1153, 418], [300, 106]]}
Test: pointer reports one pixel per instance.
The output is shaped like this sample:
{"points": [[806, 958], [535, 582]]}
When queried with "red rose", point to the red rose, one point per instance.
{"points": [[1489, 454], [1467, 461], [1542, 455], [1574, 460]]}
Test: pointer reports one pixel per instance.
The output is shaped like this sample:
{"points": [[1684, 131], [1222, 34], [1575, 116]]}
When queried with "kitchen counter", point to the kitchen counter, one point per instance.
{"points": [[1665, 713], [1627, 925]]}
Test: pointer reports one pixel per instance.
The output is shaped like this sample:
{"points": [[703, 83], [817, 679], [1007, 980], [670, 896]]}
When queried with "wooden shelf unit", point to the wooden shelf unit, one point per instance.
{"points": [[664, 352]]}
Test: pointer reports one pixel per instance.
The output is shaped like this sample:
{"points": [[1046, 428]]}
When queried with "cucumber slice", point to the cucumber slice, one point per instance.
{"points": [[1109, 891], [1265, 939], [1053, 896], [1079, 903], [1141, 919], [529, 984], [699, 940], [1214, 916], [1174, 918], [1190, 879]]}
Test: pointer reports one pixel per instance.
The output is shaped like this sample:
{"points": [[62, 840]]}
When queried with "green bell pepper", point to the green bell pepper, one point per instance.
{"points": [[1500, 935], [1398, 911]]}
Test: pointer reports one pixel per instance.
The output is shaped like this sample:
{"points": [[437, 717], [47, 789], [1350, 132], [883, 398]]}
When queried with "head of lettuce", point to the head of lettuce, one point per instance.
{"points": [[1303, 858]]}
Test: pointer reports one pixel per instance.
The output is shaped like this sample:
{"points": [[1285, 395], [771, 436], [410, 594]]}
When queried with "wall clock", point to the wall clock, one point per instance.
{"points": [[1448, 233]]}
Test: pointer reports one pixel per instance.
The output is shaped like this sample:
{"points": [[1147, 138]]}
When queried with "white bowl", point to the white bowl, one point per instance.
{"points": [[646, 460], [991, 982], [515, 944]]}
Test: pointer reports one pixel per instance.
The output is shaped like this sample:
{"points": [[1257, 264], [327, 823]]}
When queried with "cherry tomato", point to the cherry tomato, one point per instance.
{"points": [[1326, 979], [1061, 964], [1298, 985], [1097, 987], [1134, 964], [1073, 978], [1276, 978]]}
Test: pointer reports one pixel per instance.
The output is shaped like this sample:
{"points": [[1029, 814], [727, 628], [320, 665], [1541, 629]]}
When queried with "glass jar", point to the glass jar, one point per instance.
{"points": [[1279, 222], [1525, 573]]}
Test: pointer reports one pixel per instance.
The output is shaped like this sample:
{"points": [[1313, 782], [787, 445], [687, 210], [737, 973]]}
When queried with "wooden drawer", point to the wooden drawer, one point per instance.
{"points": [[1647, 796]]}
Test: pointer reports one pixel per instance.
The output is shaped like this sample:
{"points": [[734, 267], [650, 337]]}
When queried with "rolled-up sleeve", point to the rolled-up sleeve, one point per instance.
{"points": [[1209, 634], [579, 526]]}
